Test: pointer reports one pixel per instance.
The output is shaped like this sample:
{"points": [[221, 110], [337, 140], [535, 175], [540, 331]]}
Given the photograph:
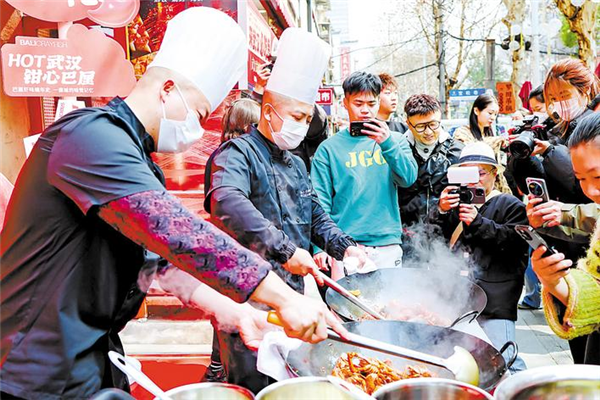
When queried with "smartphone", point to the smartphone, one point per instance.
{"points": [[537, 187], [533, 238], [356, 128]]}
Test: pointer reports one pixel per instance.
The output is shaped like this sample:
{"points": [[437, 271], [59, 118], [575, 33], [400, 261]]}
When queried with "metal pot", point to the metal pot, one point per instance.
{"points": [[556, 382], [449, 295], [430, 389], [210, 391], [301, 389], [319, 359]]}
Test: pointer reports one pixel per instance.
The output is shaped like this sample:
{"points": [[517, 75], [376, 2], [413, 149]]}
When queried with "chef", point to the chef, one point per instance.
{"points": [[89, 211], [260, 192]]}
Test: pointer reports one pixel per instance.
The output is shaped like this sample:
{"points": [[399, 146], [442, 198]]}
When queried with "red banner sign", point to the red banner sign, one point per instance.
{"points": [[506, 97], [345, 69], [87, 63], [110, 13], [325, 96], [261, 40]]}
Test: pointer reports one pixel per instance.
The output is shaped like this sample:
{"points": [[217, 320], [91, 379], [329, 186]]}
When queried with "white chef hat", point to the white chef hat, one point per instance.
{"points": [[207, 47], [302, 59]]}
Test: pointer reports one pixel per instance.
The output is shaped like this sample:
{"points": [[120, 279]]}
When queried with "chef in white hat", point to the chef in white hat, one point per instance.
{"points": [[260, 192], [89, 211]]}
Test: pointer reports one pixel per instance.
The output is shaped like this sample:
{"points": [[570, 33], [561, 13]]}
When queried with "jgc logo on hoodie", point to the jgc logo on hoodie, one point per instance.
{"points": [[365, 159]]}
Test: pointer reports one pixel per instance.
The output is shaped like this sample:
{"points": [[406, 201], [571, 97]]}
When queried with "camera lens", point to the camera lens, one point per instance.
{"points": [[536, 189], [522, 146], [480, 192]]}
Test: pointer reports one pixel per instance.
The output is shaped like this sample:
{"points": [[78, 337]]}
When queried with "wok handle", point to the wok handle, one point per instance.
{"points": [[512, 360], [466, 315], [349, 296]]}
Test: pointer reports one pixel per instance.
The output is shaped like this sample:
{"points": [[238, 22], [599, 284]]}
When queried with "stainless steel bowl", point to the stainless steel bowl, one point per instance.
{"points": [[301, 389], [210, 391], [430, 389], [564, 382]]}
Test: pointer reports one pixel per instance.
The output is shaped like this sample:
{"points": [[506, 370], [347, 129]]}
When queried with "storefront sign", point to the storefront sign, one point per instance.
{"points": [[261, 41], [325, 96], [506, 97], [87, 63], [345, 69], [111, 13]]}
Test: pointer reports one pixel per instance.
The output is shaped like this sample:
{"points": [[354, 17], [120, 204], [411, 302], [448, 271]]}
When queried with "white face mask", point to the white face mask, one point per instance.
{"points": [[569, 109], [291, 135], [178, 136]]}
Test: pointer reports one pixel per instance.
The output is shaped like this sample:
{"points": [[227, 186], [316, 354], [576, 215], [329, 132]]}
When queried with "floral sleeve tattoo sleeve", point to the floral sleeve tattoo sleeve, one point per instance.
{"points": [[159, 222]]}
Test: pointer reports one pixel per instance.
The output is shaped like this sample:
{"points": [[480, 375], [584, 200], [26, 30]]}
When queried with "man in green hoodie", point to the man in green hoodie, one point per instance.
{"points": [[356, 177]]}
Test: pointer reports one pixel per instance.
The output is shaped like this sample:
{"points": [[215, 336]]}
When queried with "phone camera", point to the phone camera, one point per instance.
{"points": [[536, 189]]}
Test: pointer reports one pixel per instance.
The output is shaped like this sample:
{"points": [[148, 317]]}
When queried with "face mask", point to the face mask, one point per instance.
{"points": [[178, 136], [569, 109], [291, 135]]}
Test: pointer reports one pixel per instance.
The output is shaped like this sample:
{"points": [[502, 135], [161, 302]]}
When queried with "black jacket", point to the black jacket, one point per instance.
{"points": [[397, 126], [318, 131], [262, 197], [497, 254], [416, 200], [555, 168]]}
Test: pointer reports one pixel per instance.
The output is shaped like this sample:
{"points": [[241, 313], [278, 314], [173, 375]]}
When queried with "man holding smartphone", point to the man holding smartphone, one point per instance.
{"points": [[356, 177]]}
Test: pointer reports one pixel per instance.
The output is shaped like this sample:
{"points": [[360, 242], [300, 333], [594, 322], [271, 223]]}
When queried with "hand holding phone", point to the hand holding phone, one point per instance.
{"points": [[534, 239], [537, 188]]}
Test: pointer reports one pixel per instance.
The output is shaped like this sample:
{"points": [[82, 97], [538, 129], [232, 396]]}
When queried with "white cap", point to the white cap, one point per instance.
{"points": [[477, 153], [302, 59], [207, 47]]}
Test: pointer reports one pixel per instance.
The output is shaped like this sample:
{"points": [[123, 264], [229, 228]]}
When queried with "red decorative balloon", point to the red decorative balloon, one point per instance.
{"points": [[110, 13]]}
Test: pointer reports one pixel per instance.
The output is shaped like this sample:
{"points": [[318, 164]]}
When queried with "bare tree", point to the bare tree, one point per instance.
{"points": [[515, 15], [473, 17], [582, 22]]}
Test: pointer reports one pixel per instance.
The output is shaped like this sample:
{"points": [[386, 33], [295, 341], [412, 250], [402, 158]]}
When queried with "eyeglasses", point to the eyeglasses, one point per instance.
{"points": [[420, 128]]}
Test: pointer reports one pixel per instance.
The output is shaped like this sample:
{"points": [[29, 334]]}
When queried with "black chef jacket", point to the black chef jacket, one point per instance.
{"points": [[271, 207], [70, 281]]}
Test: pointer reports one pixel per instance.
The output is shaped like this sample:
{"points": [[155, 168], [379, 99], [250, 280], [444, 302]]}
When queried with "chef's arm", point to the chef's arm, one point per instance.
{"points": [[240, 218], [228, 315], [159, 222], [326, 234]]}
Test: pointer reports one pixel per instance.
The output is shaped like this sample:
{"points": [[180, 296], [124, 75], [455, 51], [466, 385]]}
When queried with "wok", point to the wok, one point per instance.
{"points": [[319, 359], [449, 295]]}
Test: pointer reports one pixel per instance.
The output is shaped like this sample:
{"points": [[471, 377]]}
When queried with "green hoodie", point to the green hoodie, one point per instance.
{"points": [[356, 181]]}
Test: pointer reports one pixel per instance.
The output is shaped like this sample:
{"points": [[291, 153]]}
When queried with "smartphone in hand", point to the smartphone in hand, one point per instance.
{"points": [[537, 187], [534, 239], [356, 128]]}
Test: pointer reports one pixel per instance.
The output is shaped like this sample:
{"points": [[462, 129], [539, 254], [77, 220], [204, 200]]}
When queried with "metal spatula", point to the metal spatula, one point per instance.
{"points": [[462, 364]]}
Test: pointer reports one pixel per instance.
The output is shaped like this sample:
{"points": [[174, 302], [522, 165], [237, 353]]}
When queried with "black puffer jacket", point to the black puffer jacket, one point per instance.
{"points": [[416, 200], [497, 254]]}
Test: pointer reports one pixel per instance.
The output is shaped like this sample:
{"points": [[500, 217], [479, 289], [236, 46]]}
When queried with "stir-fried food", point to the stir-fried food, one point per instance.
{"points": [[369, 374]]}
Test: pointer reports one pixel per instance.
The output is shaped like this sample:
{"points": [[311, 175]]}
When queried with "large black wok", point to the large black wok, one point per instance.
{"points": [[319, 359], [449, 295]]}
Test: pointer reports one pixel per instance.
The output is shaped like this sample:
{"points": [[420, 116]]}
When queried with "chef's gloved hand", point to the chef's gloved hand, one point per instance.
{"points": [[358, 253], [302, 263]]}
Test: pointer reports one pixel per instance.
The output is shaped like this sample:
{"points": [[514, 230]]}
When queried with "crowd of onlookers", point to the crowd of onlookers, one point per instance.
{"points": [[379, 183]]}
